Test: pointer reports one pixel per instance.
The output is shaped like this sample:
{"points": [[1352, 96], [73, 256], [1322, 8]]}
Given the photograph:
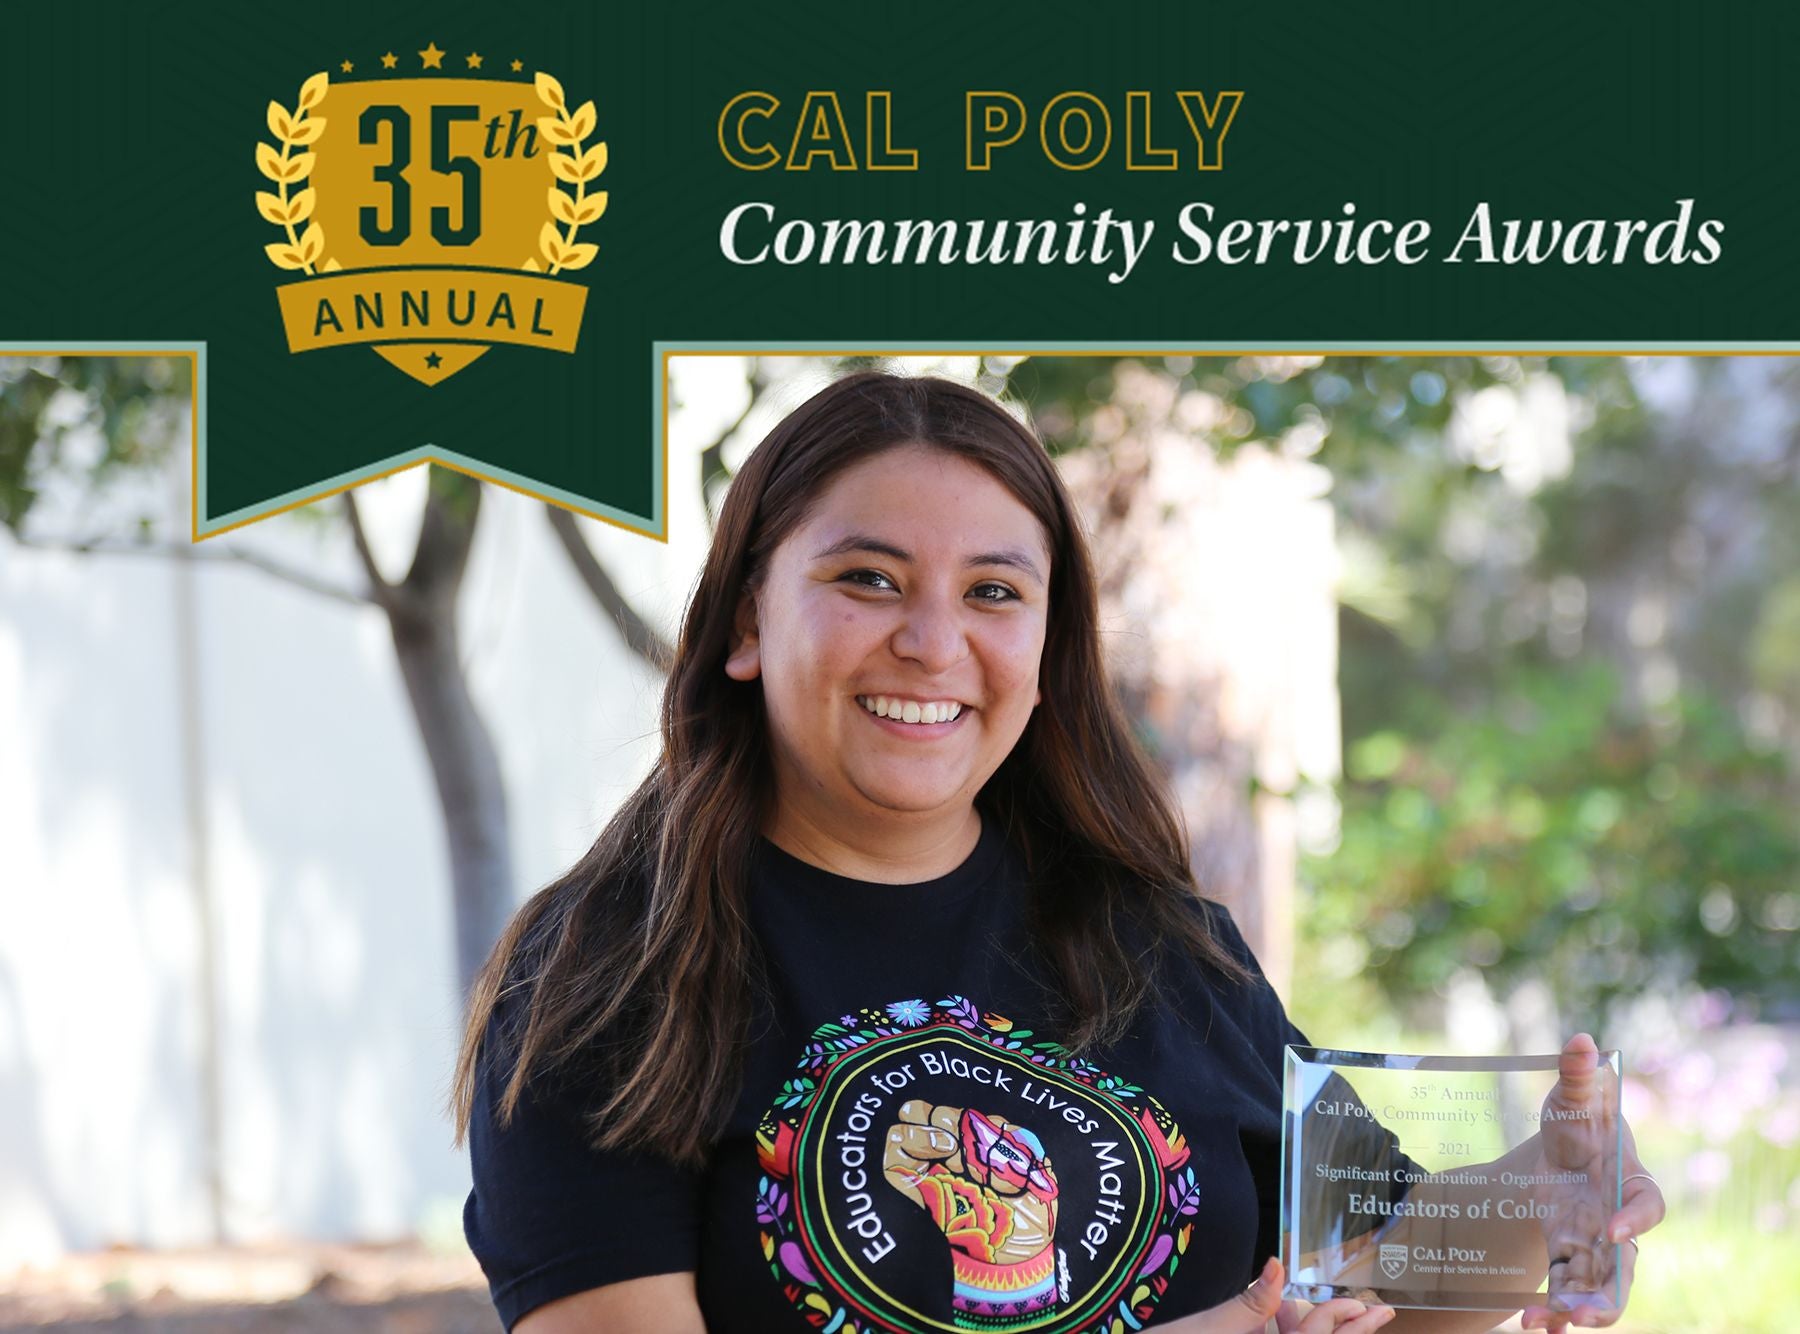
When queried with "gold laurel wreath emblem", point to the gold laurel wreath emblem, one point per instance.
{"points": [[295, 129], [576, 166], [289, 162]]}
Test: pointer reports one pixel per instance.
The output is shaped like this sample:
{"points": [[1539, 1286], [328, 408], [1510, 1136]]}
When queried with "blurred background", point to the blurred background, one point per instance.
{"points": [[1477, 680]]}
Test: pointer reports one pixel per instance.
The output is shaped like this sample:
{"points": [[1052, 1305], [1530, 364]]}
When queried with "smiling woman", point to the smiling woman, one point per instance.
{"points": [[888, 1001]]}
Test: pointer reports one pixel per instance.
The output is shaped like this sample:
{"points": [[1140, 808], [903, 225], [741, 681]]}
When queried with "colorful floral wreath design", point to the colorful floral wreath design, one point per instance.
{"points": [[1144, 1281]]}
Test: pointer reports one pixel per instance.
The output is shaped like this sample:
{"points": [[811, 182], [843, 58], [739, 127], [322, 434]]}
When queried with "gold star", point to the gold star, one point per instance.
{"points": [[346, 67], [389, 60], [433, 58], [518, 65], [474, 61]]}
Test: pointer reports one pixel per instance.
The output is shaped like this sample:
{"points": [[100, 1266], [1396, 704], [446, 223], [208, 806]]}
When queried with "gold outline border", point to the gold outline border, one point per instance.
{"points": [[1002, 351], [474, 473]]}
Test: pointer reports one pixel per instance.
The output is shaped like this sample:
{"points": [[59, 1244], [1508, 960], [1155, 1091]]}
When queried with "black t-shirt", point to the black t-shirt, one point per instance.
{"points": [[912, 1149]]}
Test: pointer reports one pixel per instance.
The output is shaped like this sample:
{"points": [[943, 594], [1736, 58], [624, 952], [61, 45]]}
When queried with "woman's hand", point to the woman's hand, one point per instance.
{"points": [[1252, 1309], [1578, 1130]]}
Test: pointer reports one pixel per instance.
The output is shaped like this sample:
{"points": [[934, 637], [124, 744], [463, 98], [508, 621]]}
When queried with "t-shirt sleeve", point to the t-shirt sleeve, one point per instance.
{"points": [[550, 1216]]}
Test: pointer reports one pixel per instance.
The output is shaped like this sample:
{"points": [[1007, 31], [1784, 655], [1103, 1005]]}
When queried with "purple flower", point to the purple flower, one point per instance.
{"points": [[1688, 1082], [1710, 1009], [1781, 1127], [1638, 1102], [1708, 1170], [909, 1013]]}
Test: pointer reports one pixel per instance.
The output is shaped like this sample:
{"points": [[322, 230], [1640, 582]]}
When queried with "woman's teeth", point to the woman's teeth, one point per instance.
{"points": [[910, 711]]}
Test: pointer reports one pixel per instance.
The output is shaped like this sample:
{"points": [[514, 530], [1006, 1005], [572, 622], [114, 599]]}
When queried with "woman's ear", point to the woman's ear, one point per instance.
{"points": [[744, 663]]}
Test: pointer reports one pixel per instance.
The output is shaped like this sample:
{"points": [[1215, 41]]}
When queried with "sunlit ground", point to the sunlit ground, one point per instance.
{"points": [[1706, 1277], [406, 1288]]}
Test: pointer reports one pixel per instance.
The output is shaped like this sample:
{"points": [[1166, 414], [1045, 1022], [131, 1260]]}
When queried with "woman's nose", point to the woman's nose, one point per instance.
{"points": [[932, 635]]}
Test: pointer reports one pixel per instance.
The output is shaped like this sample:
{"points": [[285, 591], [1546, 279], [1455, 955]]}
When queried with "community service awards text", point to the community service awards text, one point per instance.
{"points": [[756, 232]]}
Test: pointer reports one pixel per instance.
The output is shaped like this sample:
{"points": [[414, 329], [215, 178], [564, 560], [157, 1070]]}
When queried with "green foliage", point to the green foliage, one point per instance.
{"points": [[22, 406], [1775, 646], [1557, 835], [51, 407], [1552, 645], [1373, 410]]}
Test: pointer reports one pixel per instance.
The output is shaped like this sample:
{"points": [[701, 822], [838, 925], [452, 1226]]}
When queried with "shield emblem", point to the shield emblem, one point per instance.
{"points": [[438, 216], [1393, 1260]]}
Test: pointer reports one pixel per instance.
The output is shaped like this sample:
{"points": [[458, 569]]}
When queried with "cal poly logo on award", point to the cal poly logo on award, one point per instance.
{"points": [[931, 1167], [426, 206]]}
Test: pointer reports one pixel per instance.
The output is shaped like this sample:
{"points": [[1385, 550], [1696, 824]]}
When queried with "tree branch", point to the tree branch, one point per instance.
{"points": [[381, 592], [713, 473], [446, 533], [640, 636], [218, 556]]}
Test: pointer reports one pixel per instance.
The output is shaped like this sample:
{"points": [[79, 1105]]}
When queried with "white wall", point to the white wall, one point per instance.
{"points": [[319, 836]]}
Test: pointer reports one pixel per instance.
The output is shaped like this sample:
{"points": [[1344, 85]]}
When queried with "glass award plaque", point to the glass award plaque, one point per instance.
{"points": [[1449, 1183]]}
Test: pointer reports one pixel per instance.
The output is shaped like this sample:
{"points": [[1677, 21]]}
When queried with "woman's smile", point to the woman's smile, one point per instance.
{"points": [[916, 717]]}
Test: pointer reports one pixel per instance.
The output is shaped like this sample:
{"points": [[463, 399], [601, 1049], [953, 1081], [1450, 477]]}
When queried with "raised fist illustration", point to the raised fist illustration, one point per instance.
{"points": [[991, 1190]]}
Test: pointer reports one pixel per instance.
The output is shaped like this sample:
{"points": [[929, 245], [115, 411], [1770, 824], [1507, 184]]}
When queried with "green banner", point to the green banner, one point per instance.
{"points": [[469, 234]]}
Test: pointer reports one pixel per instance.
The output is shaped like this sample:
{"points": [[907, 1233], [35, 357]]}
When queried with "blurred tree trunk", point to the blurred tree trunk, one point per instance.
{"points": [[1175, 705], [465, 766], [421, 610], [1218, 612]]}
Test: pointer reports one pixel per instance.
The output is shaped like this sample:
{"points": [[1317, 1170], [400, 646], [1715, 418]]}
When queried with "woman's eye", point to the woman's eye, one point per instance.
{"points": [[868, 579], [992, 592]]}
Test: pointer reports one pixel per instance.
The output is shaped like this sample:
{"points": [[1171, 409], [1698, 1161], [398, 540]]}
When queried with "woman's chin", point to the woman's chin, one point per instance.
{"points": [[915, 795]]}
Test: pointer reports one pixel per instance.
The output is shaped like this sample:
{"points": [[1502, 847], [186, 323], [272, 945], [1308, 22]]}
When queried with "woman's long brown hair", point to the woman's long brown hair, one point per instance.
{"points": [[637, 969]]}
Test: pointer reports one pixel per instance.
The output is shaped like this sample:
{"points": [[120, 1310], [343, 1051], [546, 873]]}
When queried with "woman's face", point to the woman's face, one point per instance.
{"points": [[897, 632]]}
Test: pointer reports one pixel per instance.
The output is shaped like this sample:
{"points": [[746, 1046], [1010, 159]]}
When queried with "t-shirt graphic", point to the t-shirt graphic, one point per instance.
{"points": [[932, 1167]]}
